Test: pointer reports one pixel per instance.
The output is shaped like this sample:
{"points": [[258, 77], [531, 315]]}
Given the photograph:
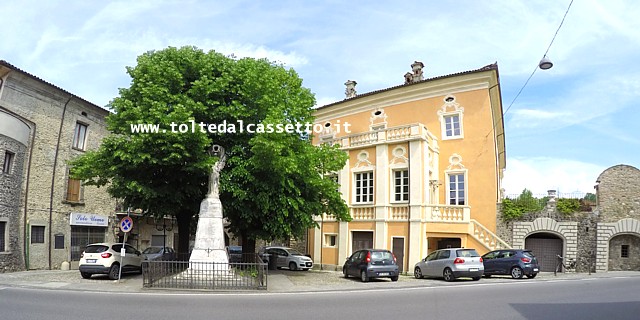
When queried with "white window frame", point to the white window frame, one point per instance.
{"points": [[370, 187], [394, 185], [452, 119], [449, 110], [465, 190], [326, 243], [80, 136]]}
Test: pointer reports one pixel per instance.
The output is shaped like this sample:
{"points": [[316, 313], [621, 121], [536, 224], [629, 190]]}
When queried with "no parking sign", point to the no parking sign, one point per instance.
{"points": [[126, 224]]}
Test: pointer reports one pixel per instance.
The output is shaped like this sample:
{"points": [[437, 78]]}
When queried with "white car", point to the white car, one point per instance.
{"points": [[286, 258], [105, 258], [451, 264]]}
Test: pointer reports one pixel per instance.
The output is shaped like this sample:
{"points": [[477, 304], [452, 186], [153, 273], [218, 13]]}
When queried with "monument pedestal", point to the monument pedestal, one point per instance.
{"points": [[209, 254]]}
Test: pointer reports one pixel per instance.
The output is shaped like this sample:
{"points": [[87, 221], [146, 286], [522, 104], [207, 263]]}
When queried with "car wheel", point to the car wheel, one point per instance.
{"points": [[516, 273], [531, 276], [394, 278], [114, 271], [344, 272], [363, 276], [476, 278], [487, 276], [293, 266], [85, 275], [447, 274], [417, 273]]}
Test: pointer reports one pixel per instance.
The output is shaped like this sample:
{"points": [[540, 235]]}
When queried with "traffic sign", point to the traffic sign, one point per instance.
{"points": [[126, 224]]}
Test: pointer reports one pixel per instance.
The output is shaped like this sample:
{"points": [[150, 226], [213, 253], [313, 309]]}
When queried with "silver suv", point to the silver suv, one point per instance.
{"points": [[451, 264], [285, 258], [105, 258]]}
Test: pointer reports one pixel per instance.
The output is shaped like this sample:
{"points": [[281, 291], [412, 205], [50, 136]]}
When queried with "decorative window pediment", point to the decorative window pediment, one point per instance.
{"points": [[451, 119], [378, 120]]}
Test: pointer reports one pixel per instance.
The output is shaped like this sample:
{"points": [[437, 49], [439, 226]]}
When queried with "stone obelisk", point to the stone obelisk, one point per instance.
{"points": [[209, 247]]}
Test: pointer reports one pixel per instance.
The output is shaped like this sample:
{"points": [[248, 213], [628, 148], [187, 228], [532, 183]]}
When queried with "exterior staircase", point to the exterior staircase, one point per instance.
{"points": [[487, 238]]}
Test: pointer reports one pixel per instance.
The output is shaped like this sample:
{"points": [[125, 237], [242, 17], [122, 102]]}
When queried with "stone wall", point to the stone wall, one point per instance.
{"points": [[618, 193], [11, 257]]}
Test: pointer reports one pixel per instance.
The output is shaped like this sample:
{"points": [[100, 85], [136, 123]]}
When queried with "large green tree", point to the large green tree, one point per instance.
{"points": [[273, 183]]}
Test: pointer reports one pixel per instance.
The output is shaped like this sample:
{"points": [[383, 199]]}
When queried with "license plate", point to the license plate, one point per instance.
{"points": [[91, 260], [473, 269], [535, 269], [383, 273]]}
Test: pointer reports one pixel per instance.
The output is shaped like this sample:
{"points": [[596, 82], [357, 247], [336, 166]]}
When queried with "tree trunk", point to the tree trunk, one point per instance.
{"points": [[248, 249], [184, 234]]}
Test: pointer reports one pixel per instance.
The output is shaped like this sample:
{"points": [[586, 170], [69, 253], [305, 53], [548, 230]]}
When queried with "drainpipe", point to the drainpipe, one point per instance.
{"points": [[408, 255], [26, 199], [53, 177]]}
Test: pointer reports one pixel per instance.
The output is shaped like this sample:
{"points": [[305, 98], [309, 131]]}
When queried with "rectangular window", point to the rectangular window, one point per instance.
{"points": [[452, 125], [624, 251], [74, 190], [37, 234], [456, 189], [79, 136], [330, 240], [364, 187], [3, 225], [401, 185], [59, 241], [8, 161]]}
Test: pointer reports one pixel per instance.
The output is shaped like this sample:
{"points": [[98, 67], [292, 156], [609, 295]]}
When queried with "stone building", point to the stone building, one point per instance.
{"points": [[45, 216], [604, 239]]}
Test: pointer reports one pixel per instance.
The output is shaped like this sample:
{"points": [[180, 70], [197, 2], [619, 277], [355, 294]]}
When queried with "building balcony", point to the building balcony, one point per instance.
{"points": [[409, 132], [433, 213]]}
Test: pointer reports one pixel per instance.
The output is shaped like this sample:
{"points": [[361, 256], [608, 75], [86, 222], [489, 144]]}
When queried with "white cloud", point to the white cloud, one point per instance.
{"points": [[540, 174]]}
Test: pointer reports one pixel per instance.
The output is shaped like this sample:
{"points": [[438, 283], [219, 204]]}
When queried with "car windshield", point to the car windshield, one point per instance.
{"points": [[235, 249], [467, 253], [96, 249], [152, 250], [528, 254]]}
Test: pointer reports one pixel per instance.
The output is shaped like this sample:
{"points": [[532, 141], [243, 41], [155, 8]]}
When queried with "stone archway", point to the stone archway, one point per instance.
{"points": [[546, 247], [624, 252], [567, 230], [606, 232]]}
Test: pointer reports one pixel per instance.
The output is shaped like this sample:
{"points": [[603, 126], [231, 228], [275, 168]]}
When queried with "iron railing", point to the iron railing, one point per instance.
{"points": [[195, 275]]}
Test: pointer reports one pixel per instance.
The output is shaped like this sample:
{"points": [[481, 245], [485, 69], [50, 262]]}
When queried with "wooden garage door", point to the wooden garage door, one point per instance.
{"points": [[361, 240], [545, 250]]}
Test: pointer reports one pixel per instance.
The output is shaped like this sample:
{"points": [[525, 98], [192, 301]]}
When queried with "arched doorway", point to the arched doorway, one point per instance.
{"points": [[623, 252], [545, 246]]}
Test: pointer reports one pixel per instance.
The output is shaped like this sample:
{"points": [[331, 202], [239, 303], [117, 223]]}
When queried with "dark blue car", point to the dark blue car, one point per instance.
{"points": [[514, 262]]}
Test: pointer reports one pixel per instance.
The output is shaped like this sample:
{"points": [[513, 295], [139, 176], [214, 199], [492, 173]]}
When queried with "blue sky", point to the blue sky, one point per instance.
{"points": [[569, 124]]}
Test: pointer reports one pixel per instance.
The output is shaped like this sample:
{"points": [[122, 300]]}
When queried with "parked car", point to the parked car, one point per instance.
{"points": [[159, 253], [371, 263], [514, 262], [104, 258], [285, 258], [235, 254], [451, 264]]}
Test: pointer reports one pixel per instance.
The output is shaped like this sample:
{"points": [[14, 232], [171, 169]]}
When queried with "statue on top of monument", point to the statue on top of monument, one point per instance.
{"points": [[214, 176]]}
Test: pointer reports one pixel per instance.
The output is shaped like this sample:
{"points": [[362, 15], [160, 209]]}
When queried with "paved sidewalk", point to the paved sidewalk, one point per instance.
{"points": [[278, 281]]}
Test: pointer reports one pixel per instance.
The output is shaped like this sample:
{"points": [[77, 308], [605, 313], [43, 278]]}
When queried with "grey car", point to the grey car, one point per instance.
{"points": [[159, 253], [451, 264], [286, 258], [371, 263]]}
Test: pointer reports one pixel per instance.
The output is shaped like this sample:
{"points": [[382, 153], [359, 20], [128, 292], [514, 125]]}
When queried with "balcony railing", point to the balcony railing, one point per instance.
{"points": [[407, 132], [446, 213], [363, 213]]}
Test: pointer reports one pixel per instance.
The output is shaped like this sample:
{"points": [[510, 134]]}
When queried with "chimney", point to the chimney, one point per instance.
{"points": [[408, 77], [350, 91], [416, 67]]}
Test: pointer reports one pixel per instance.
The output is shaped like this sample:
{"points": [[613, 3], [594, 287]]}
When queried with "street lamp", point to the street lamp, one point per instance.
{"points": [[164, 227], [545, 63]]}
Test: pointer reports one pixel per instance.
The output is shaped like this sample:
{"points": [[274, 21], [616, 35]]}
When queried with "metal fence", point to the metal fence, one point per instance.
{"points": [[205, 275]]}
